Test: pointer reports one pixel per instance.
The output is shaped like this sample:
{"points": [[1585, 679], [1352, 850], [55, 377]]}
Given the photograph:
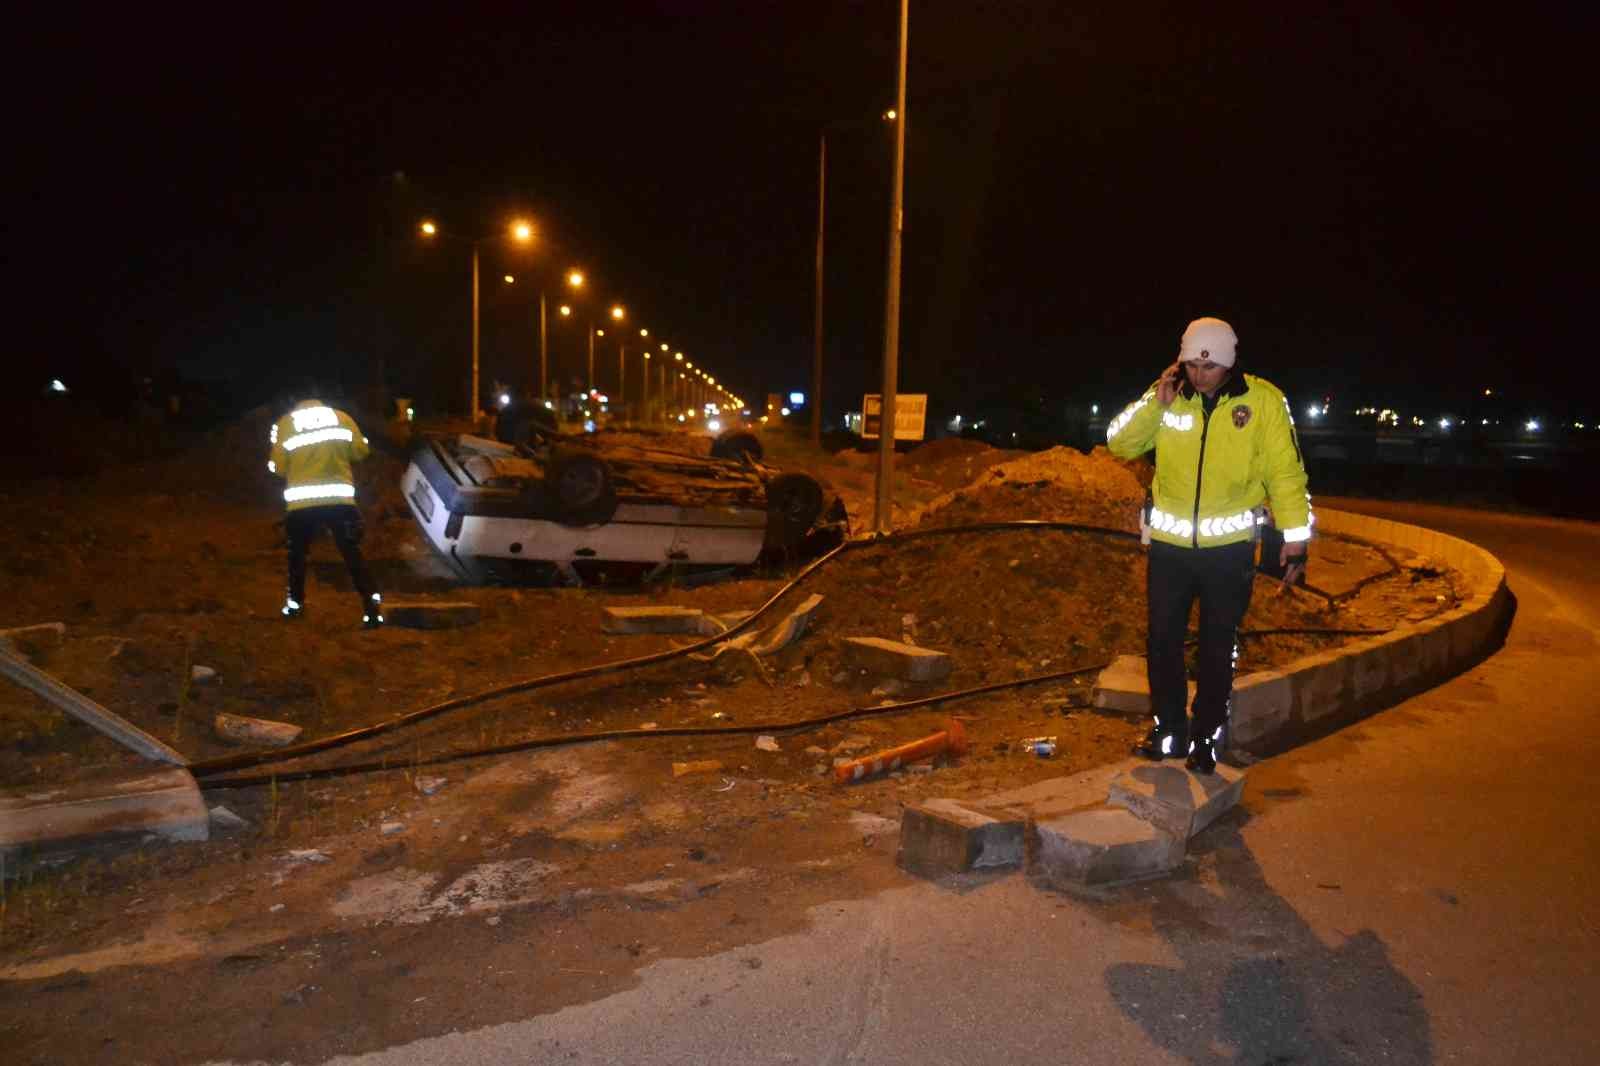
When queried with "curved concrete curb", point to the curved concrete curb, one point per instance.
{"points": [[1273, 709]]}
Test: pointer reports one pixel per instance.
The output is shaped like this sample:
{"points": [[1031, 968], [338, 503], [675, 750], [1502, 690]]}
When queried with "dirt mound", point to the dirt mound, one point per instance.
{"points": [[1061, 484]]}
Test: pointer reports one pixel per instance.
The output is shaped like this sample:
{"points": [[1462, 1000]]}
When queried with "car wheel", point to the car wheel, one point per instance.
{"points": [[736, 446], [793, 503], [524, 425], [580, 487]]}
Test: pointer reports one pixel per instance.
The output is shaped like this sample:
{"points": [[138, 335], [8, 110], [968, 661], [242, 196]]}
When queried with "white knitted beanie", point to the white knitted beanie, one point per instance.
{"points": [[1208, 338]]}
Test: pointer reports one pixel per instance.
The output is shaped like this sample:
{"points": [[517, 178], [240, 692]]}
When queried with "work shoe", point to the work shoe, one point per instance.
{"points": [[292, 610], [372, 620], [1160, 744], [1202, 757]]}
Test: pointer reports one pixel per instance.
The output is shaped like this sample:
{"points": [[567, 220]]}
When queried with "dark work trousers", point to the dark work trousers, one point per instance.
{"points": [[344, 522], [1222, 579]]}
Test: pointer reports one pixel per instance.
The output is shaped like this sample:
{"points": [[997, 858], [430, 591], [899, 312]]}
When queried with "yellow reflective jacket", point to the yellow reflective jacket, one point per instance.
{"points": [[1214, 471], [312, 449]]}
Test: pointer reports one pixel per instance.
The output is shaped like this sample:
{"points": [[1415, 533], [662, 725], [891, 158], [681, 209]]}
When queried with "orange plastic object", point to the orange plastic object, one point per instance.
{"points": [[953, 739]]}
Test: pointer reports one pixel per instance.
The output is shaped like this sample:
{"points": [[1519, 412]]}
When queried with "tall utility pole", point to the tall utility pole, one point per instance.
{"points": [[472, 400], [544, 362], [622, 376], [816, 326], [588, 385], [891, 310]]}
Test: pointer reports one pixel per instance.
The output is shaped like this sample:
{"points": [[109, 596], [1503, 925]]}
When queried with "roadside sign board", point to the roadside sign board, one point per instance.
{"points": [[910, 415]]}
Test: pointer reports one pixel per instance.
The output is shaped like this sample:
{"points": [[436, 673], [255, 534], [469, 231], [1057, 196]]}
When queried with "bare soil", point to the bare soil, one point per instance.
{"points": [[470, 891]]}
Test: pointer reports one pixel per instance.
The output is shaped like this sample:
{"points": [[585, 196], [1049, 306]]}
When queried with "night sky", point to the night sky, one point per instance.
{"points": [[1389, 205]]}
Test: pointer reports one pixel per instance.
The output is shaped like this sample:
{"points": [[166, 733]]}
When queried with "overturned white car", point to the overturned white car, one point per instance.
{"points": [[582, 509]]}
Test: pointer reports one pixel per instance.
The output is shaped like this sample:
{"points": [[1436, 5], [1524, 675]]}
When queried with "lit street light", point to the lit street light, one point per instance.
{"points": [[520, 232]]}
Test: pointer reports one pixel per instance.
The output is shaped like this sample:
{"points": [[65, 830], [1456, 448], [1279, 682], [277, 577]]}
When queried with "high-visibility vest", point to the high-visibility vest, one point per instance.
{"points": [[1213, 472], [312, 449]]}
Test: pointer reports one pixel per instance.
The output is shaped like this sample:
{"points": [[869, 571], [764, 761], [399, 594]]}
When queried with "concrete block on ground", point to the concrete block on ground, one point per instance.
{"points": [[1125, 686], [943, 836], [1045, 800], [245, 730], [31, 640], [1100, 847], [894, 659], [440, 615], [686, 620], [1372, 665], [1175, 800], [100, 809]]}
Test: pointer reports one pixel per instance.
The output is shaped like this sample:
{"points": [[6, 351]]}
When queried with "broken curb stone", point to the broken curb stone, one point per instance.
{"points": [[241, 729], [223, 818], [1102, 847], [943, 836], [766, 743], [701, 766], [1125, 686], [1175, 800], [895, 659], [686, 620], [443, 615]]}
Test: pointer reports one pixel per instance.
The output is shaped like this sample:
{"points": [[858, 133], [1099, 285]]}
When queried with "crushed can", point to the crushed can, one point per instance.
{"points": [[1043, 747]]}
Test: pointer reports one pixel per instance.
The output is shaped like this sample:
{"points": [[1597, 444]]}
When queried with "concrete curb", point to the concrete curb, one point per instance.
{"points": [[1274, 709]]}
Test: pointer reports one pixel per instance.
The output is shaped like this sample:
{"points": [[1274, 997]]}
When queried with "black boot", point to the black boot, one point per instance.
{"points": [[1202, 757], [372, 613], [1161, 743]]}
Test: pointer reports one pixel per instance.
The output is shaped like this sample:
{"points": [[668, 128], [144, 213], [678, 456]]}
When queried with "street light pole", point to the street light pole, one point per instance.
{"points": [[816, 328], [472, 398], [891, 311], [544, 393], [589, 382], [622, 392]]}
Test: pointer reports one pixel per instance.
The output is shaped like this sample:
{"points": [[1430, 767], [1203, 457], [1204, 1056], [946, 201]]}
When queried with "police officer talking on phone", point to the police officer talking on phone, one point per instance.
{"points": [[1225, 448]]}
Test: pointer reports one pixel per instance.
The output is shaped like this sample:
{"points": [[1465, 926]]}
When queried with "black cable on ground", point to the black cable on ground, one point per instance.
{"points": [[567, 739], [209, 767]]}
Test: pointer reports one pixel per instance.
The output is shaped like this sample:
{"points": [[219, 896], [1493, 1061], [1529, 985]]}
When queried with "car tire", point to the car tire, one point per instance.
{"points": [[794, 501], [579, 487], [524, 425], [736, 446]]}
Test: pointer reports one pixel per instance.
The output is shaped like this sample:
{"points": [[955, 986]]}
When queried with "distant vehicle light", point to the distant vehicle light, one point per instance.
{"points": [[588, 425], [548, 406], [56, 385], [1094, 408], [784, 412], [1445, 423], [505, 399], [1533, 425], [714, 426], [680, 418], [1313, 411], [411, 413], [745, 412], [603, 398], [763, 418]]}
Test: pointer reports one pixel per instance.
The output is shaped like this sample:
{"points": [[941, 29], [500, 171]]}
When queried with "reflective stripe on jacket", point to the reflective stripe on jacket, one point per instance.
{"points": [[1214, 471], [312, 449]]}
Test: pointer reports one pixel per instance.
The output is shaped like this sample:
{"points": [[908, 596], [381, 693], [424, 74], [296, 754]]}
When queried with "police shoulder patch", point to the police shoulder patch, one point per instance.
{"points": [[1241, 416]]}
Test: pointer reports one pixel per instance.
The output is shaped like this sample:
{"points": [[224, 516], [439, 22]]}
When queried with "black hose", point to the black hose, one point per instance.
{"points": [[208, 767]]}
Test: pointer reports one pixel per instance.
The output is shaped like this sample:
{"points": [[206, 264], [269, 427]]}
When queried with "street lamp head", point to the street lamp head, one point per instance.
{"points": [[644, 333], [575, 278], [599, 333], [618, 313], [510, 280], [522, 231], [678, 357], [663, 346], [427, 228], [890, 115], [647, 355], [565, 311]]}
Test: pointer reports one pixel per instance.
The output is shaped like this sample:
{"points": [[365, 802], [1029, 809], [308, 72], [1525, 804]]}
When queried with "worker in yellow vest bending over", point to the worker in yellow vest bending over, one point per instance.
{"points": [[312, 449]]}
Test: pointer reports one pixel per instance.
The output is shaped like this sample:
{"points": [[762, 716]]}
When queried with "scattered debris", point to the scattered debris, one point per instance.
{"points": [[223, 818], [275, 908], [389, 829], [701, 766], [1044, 747], [815, 750], [241, 729], [952, 739], [429, 785], [892, 687], [202, 675], [728, 783], [853, 742], [767, 743], [314, 855]]}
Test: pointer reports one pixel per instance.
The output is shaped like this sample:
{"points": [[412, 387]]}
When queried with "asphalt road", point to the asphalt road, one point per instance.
{"points": [[1417, 888]]}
